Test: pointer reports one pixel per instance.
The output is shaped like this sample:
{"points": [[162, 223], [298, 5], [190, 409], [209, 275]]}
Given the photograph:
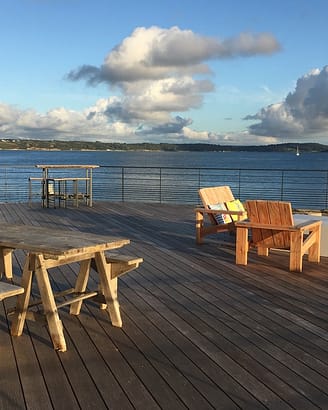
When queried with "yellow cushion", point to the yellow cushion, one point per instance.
{"points": [[236, 205]]}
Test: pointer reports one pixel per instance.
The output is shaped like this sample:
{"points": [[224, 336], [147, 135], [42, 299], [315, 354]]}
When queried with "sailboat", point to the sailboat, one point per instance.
{"points": [[297, 151]]}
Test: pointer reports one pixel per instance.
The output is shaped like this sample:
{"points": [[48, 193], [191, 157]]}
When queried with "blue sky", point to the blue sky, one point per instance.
{"points": [[211, 71]]}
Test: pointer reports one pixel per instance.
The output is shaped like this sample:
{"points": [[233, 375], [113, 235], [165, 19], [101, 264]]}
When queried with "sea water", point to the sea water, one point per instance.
{"points": [[176, 176], [240, 159]]}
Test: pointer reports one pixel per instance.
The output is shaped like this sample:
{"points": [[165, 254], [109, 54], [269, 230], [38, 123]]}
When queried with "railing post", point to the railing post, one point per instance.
{"points": [[326, 205], [239, 179], [282, 186], [122, 185], [160, 185], [6, 184]]}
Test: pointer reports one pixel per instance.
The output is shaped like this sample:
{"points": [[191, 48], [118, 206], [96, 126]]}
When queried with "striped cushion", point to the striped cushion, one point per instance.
{"points": [[221, 218]]}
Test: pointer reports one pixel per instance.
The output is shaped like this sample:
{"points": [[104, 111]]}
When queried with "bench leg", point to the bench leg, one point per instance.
{"points": [[108, 287]]}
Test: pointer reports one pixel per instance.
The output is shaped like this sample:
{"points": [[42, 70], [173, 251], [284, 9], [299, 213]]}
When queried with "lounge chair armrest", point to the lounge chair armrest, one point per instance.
{"points": [[304, 226], [208, 211], [308, 225], [219, 211], [241, 213], [248, 224]]}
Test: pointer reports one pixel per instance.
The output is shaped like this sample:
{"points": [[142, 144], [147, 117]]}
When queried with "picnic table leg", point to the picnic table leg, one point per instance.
{"points": [[23, 299], [81, 285], [108, 288], [49, 304]]}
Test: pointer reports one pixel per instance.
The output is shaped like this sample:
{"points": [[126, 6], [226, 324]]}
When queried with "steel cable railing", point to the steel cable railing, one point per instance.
{"points": [[304, 188]]}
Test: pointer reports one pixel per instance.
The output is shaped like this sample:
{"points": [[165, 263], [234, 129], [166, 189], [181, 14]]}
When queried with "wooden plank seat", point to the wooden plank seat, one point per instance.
{"points": [[213, 198], [7, 290], [121, 264], [118, 265], [272, 226]]}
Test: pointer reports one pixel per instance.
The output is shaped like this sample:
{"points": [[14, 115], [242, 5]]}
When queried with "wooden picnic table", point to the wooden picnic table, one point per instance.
{"points": [[48, 248]]}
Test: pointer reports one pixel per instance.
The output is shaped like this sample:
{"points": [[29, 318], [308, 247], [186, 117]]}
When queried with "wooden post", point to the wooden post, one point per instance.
{"points": [[314, 250], [296, 256], [241, 245], [199, 226]]}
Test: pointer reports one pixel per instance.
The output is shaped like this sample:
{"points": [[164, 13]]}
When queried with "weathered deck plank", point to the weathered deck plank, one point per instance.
{"points": [[198, 331]]}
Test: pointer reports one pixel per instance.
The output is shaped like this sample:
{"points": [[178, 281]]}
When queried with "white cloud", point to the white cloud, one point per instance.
{"points": [[303, 115], [161, 71], [157, 53], [61, 124], [158, 73]]}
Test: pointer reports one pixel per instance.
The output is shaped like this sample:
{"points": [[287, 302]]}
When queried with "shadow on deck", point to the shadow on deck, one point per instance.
{"points": [[198, 331]]}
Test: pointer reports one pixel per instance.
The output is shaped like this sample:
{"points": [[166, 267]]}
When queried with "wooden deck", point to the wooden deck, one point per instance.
{"points": [[198, 331]]}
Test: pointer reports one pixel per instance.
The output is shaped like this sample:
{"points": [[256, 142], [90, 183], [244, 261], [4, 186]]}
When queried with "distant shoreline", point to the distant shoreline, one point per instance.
{"points": [[54, 145]]}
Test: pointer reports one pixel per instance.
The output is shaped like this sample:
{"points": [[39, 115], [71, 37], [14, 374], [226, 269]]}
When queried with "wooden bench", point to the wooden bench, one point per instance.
{"points": [[121, 264], [7, 290], [118, 265]]}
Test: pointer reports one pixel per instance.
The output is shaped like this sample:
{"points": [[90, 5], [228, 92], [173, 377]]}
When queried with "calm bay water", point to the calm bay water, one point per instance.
{"points": [[266, 160], [301, 179]]}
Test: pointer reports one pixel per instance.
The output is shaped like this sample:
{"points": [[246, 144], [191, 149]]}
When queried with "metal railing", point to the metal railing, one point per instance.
{"points": [[304, 188]]}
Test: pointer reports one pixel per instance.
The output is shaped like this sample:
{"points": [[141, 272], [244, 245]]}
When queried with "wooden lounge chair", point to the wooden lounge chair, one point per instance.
{"points": [[221, 220], [272, 226]]}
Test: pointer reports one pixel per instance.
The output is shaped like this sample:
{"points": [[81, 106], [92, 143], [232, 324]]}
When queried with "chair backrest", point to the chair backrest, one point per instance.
{"points": [[215, 195], [271, 213]]}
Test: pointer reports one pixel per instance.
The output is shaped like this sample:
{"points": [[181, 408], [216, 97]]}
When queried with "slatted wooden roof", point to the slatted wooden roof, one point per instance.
{"points": [[198, 331]]}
